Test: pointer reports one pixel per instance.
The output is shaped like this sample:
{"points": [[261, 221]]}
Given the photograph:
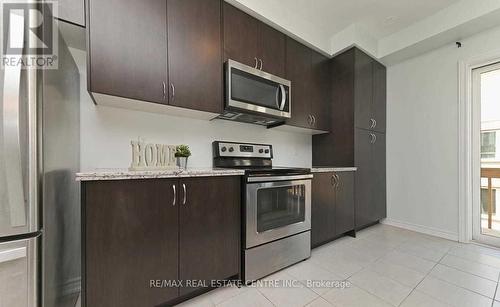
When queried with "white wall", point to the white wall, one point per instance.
{"points": [[422, 135], [106, 134]]}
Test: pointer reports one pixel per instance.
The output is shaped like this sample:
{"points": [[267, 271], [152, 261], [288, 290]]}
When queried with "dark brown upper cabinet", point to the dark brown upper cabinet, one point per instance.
{"points": [[252, 42], [127, 48], [379, 96], [272, 50], [321, 94], [298, 71], [332, 207], [162, 51], [194, 54], [358, 92], [310, 74], [370, 92]]}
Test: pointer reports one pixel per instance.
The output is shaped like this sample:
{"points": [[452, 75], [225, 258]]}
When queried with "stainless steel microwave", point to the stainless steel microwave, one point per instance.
{"points": [[255, 96]]}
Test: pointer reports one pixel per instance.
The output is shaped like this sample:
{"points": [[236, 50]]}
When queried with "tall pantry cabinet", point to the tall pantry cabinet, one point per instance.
{"points": [[358, 123]]}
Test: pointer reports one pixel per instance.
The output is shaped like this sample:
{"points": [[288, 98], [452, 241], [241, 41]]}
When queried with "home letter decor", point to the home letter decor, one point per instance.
{"points": [[152, 156]]}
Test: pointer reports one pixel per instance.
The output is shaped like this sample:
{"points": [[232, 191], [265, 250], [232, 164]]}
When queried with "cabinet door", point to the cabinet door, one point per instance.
{"points": [[194, 54], [320, 91], [298, 71], [241, 36], [322, 209], [272, 50], [379, 96], [344, 204], [130, 238], [209, 229], [379, 198], [365, 212], [363, 90], [128, 48]]}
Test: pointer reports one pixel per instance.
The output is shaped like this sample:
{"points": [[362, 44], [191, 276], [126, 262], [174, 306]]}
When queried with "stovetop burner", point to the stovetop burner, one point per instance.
{"points": [[255, 159]]}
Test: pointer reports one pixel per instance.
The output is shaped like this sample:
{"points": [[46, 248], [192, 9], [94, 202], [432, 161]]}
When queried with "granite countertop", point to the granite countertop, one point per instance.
{"points": [[122, 174], [326, 169]]}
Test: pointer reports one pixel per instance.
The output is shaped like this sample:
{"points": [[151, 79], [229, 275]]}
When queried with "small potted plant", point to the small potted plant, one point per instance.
{"points": [[182, 154]]}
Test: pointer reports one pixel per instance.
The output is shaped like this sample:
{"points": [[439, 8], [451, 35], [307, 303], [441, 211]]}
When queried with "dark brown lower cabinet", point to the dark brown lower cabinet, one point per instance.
{"points": [[332, 208], [322, 208], [370, 177], [344, 205], [209, 229], [130, 237], [138, 231]]}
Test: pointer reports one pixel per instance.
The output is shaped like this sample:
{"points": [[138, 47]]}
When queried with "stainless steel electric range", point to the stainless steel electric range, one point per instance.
{"points": [[276, 224]]}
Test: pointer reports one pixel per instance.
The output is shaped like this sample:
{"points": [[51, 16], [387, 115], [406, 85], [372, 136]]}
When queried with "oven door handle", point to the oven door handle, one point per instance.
{"points": [[279, 178]]}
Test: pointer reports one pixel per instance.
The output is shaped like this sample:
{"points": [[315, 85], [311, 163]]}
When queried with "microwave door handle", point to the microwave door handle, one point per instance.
{"points": [[283, 97], [11, 129], [278, 97]]}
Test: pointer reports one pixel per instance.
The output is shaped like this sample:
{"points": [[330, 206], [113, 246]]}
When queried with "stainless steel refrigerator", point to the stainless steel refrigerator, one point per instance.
{"points": [[39, 197]]}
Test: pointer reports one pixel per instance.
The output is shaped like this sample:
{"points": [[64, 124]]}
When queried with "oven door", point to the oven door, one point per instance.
{"points": [[250, 89], [277, 209]]}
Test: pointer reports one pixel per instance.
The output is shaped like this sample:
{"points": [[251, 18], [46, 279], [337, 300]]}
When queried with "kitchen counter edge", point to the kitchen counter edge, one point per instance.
{"points": [[333, 169], [155, 174]]}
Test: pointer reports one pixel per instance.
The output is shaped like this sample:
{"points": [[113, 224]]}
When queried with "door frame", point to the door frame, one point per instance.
{"points": [[477, 236], [467, 173]]}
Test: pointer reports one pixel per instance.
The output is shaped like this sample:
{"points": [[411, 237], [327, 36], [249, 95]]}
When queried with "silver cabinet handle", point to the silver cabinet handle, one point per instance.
{"points": [[261, 64], [256, 63], [339, 182], [373, 138], [333, 180], [314, 120], [185, 194], [165, 94], [172, 86], [310, 119], [374, 123], [174, 202]]}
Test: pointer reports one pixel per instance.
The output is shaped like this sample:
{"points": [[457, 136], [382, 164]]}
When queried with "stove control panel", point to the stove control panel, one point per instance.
{"points": [[242, 150]]}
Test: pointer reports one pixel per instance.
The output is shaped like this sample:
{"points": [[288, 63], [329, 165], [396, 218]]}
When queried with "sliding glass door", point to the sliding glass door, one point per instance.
{"points": [[486, 164]]}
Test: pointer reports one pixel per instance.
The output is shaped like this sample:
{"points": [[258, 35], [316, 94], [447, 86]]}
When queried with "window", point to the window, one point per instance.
{"points": [[488, 145]]}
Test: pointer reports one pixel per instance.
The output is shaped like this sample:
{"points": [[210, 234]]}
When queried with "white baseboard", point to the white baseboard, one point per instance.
{"points": [[422, 229], [71, 286]]}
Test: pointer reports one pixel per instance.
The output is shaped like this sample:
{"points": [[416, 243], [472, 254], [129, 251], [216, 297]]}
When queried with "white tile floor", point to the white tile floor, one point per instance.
{"points": [[386, 266]]}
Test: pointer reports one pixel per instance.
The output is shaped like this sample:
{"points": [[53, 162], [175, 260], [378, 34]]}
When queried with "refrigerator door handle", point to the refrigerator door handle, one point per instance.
{"points": [[11, 132]]}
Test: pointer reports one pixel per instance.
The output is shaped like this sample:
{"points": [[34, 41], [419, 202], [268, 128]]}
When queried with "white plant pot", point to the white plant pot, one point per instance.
{"points": [[182, 162]]}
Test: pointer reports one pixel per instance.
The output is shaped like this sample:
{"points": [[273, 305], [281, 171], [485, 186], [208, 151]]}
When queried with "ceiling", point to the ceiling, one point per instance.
{"points": [[378, 18], [391, 30]]}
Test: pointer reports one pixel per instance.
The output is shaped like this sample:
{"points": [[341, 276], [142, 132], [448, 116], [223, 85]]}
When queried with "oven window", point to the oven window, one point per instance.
{"points": [[280, 206]]}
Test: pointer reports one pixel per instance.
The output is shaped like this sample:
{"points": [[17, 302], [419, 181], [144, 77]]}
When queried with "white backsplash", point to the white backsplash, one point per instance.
{"points": [[106, 134]]}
